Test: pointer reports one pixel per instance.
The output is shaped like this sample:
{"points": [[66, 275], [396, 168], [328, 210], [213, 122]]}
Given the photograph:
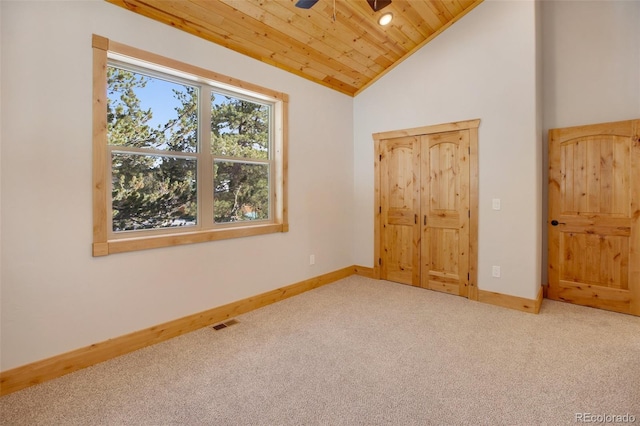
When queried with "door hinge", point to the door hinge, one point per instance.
{"points": [[468, 277], [469, 150], [379, 209], [415, 219], [379, 261], [469, 213], [380, 157]]}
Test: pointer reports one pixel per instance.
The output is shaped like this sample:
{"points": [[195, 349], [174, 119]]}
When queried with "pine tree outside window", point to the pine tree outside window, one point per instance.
{"points": [[182, 154]]}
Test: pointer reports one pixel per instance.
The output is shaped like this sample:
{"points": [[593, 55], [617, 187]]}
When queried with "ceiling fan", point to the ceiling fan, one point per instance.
{"points": [[376, 5]]}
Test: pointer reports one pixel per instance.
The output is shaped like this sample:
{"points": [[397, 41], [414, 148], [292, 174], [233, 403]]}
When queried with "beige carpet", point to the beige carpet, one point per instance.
{"points": [[361, 352]]}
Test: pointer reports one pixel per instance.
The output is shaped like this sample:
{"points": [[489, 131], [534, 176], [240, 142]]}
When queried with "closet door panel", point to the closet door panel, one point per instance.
{"points": [[399, 183], [445, 211]]}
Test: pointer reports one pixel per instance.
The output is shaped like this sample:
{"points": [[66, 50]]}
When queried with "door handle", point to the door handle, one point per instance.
{"points": [[556, 223]]}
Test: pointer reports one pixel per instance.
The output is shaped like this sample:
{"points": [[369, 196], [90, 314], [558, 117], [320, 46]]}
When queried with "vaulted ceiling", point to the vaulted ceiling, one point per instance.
{"points": [[346, 53]]}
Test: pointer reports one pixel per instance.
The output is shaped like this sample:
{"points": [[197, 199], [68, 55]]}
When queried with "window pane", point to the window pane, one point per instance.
{"points": [[148, 112], [239, 128], [152, 192], [241, 191]]}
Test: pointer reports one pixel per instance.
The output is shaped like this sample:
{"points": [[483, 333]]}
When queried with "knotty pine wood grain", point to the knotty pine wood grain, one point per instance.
{"points": [[346, 54]]}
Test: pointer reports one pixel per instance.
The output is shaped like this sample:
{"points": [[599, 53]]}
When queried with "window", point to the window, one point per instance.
{"points": [[181, 154]]}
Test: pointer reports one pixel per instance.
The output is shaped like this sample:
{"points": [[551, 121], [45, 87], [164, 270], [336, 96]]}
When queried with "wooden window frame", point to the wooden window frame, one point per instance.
{"points": [[104, 243]]}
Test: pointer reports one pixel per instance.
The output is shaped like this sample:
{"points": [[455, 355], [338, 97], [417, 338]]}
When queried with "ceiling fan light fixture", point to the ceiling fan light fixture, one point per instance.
{"points": [[376, 5], [385, 19], [306, 4]]}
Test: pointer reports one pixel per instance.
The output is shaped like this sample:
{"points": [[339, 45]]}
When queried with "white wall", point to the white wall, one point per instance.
{"points": [[55, 296], [591, 68], [484, 67], [0, 185], [591, 62]]}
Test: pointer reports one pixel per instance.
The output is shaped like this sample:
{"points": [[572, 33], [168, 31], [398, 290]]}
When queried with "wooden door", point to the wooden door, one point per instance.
{"points": [[594, 216], [399, 207], [445, 212]]}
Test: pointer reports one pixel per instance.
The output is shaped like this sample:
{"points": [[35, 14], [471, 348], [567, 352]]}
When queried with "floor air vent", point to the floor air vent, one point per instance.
{"points": [[225, 324]]}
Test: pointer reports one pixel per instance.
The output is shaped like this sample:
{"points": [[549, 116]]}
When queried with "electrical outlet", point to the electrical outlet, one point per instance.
{"points": [[496, 271], [312, 259]]}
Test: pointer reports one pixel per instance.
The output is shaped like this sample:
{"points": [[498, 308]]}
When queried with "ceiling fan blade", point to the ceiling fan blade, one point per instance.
{"points": [[306, 4], [376, 5]]}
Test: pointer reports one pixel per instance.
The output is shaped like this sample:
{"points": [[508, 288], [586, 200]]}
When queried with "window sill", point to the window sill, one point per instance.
{"points": [[157, 241]]}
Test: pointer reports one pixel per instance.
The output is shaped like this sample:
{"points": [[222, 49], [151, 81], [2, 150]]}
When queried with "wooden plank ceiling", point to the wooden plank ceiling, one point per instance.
{"points": [[346, 54]]}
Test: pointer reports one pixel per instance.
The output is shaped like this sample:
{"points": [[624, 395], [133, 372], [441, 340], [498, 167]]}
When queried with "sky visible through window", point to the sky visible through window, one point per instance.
{"points": [[158, 96]]}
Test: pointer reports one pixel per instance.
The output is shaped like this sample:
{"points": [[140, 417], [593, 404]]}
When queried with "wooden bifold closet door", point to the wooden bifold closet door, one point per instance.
{"points": [[444, 201], [400, 206], [423, 222]]}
